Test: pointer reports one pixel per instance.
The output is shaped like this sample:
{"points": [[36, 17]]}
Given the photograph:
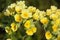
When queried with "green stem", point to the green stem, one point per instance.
{"points": [[23, 38]]}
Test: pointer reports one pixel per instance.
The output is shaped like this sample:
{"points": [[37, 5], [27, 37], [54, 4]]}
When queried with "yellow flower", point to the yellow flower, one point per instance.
{"points": [[42, 14], [55, 28], [13, 27], [8, 30], [27, 24], [34, 29], [37, 11], [29, 32], [35, 16], [48, 11], [20, 3], [53, 8], [54, 16], [58, 12], [48, 35], [31, 9], [57, 21], [17, 9], [18, 18], [44, 20], [26, 14]]}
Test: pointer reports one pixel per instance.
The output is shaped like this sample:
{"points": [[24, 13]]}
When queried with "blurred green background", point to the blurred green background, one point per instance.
{"points": [[40, 4]]}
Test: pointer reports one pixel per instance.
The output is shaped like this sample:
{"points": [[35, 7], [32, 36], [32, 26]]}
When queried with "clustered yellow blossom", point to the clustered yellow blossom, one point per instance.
{"points": [[13, 28], [31, 31], [20, 12], [50, 19], [54, 26]]}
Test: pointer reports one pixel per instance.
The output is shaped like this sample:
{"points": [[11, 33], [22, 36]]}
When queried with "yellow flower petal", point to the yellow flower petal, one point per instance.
{"points": [[31, 9], [18, 18], [14, 27], [29, 32], [26, 14], [17, 9], [48, 35], [55, 28], [53, 8], [27, 24], [35, 16], [53, 16], [44, 20], [48, 11], [34, 29]]}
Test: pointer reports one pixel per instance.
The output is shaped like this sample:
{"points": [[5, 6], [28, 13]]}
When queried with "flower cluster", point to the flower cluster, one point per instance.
{"points": [[25, 17], [53, 26]]}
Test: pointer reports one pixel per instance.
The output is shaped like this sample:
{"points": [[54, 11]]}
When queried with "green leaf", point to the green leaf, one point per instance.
{"points": [[13, 37], [28, 38]]}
